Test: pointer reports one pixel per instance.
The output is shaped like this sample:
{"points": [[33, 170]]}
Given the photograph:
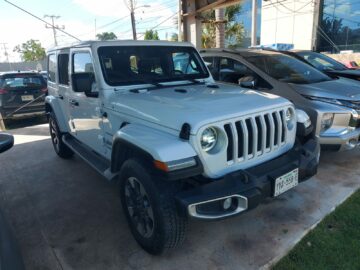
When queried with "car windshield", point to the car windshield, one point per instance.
{"points": [[22, 81], [321, 62], [123, 65], [287, 69]]}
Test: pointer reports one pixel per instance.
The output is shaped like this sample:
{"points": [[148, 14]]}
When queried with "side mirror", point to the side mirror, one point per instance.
{"points": [[248, 82], [6, 142], [83, 82]]}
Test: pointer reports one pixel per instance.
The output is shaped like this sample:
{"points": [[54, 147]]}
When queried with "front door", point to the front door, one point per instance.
{"points": [[85, 112]]}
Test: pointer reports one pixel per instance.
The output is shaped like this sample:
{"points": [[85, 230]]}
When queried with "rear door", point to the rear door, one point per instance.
{"points": [[19, 89]]}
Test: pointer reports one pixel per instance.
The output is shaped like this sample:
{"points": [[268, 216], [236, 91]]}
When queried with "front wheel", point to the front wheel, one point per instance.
{"points": [[60, 148], [150, 209]]}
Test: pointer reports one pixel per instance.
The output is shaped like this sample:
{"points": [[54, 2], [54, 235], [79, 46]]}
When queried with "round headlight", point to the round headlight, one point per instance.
{"points": [[208, 139], [289, 115]]}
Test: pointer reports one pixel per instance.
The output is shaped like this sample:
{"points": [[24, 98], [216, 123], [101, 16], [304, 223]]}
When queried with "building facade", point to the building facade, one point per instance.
{"points": [[322, 25]]}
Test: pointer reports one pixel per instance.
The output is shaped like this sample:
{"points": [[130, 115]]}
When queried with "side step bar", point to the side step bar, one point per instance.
{"points": [[100, 164]]}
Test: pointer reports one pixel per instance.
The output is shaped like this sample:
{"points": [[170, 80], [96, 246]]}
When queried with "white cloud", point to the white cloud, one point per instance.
{"points": [[104, 8]]}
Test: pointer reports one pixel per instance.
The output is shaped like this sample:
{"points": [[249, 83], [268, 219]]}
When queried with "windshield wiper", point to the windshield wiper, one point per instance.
{"points": [[195, 81]]}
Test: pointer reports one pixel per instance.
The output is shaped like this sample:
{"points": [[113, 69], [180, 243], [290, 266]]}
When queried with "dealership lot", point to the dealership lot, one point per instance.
{"points": [[66, 216]]}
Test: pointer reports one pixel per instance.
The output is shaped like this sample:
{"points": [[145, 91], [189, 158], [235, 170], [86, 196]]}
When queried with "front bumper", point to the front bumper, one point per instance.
{"points": [[248, 188], [346, 140]]}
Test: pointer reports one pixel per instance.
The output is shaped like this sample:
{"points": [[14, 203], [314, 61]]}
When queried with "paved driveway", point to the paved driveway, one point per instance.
{"points": [[66, 216]]}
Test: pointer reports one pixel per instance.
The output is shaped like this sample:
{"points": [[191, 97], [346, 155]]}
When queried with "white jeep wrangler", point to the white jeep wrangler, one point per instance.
{"points": [[150, 115]]}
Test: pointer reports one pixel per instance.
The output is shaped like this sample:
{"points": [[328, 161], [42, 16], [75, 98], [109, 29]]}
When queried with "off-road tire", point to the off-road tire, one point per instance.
{"points": [[169, 224], [60, 148]]}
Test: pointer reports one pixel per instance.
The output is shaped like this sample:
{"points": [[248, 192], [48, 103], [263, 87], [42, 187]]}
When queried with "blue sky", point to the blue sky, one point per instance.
{"points": [[78, 17]]}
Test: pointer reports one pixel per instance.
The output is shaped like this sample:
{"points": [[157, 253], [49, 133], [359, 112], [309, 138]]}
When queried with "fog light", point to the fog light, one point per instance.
{"points": [[353, 142], [227, 203]]}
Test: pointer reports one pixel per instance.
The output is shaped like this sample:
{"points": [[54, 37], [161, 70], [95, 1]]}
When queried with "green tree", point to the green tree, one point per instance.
{"points": [[151, 35], [234, 31], [106, 36], [31, 50]]}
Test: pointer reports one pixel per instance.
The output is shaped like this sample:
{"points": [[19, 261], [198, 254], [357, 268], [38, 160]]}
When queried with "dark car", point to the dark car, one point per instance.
{"points": [[22, 95], [325, 64]]}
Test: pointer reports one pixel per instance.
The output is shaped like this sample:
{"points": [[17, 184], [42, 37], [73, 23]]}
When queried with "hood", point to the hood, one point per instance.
{"points": [[197, 105], [341, 88]]}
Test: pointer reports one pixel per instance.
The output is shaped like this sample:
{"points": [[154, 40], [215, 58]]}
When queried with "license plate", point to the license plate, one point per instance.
{"points": [[286, 182], [27, 98]]}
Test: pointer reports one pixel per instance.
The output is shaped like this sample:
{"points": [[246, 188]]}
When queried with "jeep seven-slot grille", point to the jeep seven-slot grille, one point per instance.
{"points": [[255, 135]]}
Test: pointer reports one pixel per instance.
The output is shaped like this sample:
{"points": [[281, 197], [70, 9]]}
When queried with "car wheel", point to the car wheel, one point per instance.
{"points": [[150, 209], [60, 148]]}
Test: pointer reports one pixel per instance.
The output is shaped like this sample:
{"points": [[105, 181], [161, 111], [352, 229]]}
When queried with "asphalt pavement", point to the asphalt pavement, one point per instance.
{"points": [[66, 216]]}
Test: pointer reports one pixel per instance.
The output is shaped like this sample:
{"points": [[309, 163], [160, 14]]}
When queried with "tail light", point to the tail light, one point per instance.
{"points": [[44, 90], [3, 91]]}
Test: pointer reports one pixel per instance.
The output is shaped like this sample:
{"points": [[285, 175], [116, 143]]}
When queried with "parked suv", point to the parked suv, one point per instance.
{"points": [[332, 104], [22, 95], [150, 115]]}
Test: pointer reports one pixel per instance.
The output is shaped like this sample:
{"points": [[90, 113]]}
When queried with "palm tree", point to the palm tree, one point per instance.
{"points": [[234, 31]]}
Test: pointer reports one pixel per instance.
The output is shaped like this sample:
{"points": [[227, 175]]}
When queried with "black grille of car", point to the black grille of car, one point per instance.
{"points": [[255, 136]]}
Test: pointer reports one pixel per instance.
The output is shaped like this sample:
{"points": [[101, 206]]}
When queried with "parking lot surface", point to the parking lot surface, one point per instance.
{"points": [[65, 216]]}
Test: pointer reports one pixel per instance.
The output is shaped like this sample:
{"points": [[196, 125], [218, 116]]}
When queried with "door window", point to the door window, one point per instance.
{"points": [[52, 67], [83, 66], [63, 67], [82, 63]]}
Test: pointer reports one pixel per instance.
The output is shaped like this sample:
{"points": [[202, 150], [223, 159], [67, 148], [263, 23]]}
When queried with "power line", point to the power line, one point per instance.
{"points": [[42, 20], [164, 21]]}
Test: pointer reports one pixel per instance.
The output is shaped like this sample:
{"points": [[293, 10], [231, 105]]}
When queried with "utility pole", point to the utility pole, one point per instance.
{"points": [[132, 14], [95, 28], [6, 54], [131, 4], [53, 26]]}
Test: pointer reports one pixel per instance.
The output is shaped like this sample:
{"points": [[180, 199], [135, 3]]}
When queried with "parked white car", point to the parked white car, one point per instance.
{"points": [[150, 115]]}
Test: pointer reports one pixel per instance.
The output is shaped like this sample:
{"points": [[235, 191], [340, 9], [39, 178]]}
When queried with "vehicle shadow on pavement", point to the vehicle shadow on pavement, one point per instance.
{"points": [[66, 216]]}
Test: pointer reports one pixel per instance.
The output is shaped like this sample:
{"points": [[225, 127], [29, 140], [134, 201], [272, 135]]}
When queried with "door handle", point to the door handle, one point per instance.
{"points": [[74, 102]]}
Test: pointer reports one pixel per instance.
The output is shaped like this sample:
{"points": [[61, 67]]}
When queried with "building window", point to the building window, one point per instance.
{"points": [[339, 27]]}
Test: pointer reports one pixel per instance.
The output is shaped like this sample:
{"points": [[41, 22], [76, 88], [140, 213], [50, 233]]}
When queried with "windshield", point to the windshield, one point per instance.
{"points": [[123, 65], [287, 69], [321, 61]]}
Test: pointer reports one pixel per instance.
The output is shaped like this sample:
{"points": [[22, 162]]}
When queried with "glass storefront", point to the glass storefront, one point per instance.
{"points": [[339, 27]]}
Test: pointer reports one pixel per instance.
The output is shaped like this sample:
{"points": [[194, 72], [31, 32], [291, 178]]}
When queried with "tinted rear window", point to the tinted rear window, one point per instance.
{"points": [[22, 81]]}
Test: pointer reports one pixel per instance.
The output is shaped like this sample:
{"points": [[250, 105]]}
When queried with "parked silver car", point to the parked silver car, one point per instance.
{"points": [[332, 104]]}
